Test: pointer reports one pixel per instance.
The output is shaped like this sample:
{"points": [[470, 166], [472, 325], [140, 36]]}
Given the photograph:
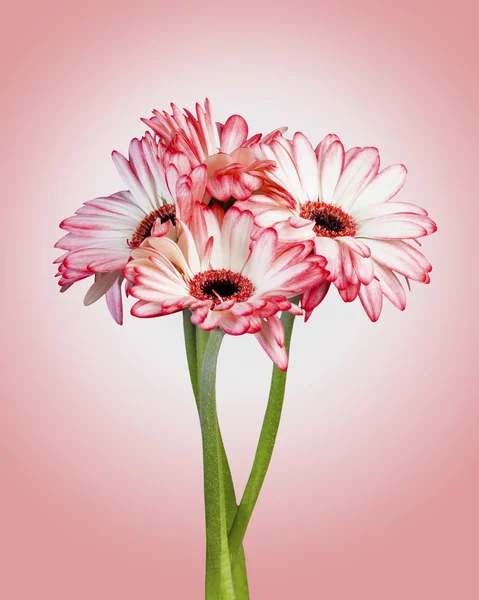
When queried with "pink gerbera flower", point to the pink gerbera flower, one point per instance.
{"points": [[103, 232], [230, 275], [344, 203], [234, 169]]}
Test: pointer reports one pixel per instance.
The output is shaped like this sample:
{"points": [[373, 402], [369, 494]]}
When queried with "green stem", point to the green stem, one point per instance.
{"points": [[219, 580], [264, 449], [201, 341], [191, 332]]}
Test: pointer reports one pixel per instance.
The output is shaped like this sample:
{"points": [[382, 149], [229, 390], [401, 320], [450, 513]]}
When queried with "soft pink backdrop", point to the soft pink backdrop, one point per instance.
{"points": [[373, 492]]}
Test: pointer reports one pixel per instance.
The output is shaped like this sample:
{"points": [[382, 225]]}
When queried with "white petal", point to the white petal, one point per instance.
{"points": [[391, 286], [114, 300], [331, 169], [102, 284], [307, 165], [275, 351], [360, 170], [386, 228], [263, 253], [400, 257], [372, 299], [383, 187], [240, 241], [387, 208], [172, 252], [132, 182], [357, 246]]}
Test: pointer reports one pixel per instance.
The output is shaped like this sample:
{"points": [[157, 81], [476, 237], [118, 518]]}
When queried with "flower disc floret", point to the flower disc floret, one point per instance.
{"points": [[329, 221], [220, 285], [164, 213]]}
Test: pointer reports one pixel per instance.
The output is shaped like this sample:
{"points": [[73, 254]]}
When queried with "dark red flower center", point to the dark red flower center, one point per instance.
{"points": [[220, 285], [330, 221], [164, 213]]}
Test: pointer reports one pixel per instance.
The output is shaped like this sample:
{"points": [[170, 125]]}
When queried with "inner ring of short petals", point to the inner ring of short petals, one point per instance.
{"points": [[330, 221], [219, 285], [164, 213]]}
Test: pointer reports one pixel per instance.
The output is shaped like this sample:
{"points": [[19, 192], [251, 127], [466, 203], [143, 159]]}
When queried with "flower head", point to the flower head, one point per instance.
{"points": [[186, 140], [342, 202], [103, 232], [229, 274]]}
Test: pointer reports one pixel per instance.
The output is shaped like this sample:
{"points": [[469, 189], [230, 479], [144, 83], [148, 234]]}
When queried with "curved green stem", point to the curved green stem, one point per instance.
{"points": [[264, 449], [194, 351], [219, 580]]}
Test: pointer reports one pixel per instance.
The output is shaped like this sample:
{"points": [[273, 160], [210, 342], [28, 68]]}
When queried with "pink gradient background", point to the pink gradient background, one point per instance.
{"points": [[373, 492]]}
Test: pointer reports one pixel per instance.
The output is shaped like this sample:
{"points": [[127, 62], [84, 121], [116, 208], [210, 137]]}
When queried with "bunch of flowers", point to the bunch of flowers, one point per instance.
{"points": [[241, 234]]}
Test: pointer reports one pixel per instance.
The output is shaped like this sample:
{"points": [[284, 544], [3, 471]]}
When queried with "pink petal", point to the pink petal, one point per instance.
{"points": [[238, 190], [172, 176], [362, 168], [383, 187], [391, 286], [240, 240], [198, 182], [413, 253], [206, 258], [234, 134], [89, 258], [347, 274], [234, 325], [295, 278], [103, 226], [269, 216], [331, 169], [357, 246], [132, 182], [182, 164], [160, 229], [212, 320], [221, 187], [387, 208], [372, 299], [331, 250], [311, 298], [324, 145], [363, 267], [400, 257], [276, 352], [291, 254], [107, 266], [243, 156], [288, 233], [200, 314], [103, 283], [350, 154], [276, 329], [217, 162], [263, 253], [145, 310], [114, 300], [226, 305], [350, 293], [387, 228], [287, 174], [140, 166], [307, 165]]}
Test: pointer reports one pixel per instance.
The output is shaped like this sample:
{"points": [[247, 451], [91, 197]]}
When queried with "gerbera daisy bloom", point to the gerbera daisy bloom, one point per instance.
{"points": [[344, 203], [234, 169], [238, 279], [103, 232]]}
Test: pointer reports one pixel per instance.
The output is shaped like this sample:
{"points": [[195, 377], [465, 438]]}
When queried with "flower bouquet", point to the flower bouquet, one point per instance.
{"points": [[242, 234]]}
